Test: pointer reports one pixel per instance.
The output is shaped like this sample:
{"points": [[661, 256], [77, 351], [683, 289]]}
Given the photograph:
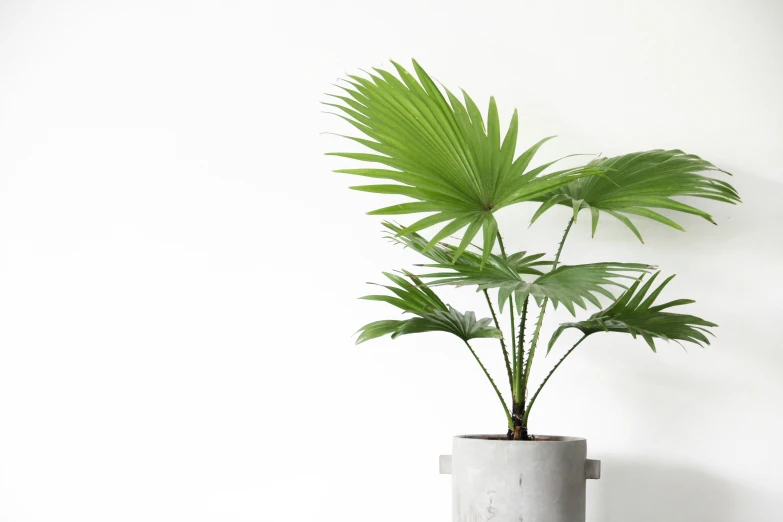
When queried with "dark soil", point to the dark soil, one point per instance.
{"points": [[505, 437]]}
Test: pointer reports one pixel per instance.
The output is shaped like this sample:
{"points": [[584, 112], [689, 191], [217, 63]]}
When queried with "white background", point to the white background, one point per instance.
{"points": [[179, 268]]}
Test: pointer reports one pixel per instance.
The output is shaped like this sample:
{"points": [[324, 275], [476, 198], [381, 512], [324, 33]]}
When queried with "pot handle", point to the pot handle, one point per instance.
{"points": [[445, 464], [592, 469]]}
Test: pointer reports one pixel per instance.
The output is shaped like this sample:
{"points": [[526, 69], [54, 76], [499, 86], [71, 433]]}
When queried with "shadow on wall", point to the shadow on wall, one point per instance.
{"points": [[643, 491], [633, 491]]}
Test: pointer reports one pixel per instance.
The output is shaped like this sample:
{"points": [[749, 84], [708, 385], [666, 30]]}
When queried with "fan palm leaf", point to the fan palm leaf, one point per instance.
{"points": [[569, 285], [430, 313], [637, 183], [635, 313], [437, 150], [443, 253], [465, 326]]}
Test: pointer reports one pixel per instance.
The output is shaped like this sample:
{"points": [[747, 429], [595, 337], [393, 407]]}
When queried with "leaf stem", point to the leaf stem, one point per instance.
{"points": [[537, 331], [562, 242], [514, 347], [502, 247], [500, 395], [541, 386], [519, 361], [509, 371], [512, 318]]}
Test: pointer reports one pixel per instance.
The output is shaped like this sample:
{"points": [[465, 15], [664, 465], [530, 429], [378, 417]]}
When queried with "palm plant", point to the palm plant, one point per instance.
{"points": [[435, 149]]}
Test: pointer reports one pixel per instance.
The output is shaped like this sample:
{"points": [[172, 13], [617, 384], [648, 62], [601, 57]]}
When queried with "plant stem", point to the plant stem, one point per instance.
{"points": [[509, 371], [512, 319], [541, 386], [502, 247], [518, 411], [533, 344], [537, 331], [519, 361], [562, 242], [500, 396], [514, 347]]}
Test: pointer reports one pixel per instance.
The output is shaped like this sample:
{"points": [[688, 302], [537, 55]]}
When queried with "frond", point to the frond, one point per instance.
{"points": [[569, 285], [641, 183], [635, 313], [431, 314], [444, 256], [437, 151]]}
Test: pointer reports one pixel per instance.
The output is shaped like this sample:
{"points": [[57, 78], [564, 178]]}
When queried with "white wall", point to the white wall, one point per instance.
{"points": [[179, 269]]}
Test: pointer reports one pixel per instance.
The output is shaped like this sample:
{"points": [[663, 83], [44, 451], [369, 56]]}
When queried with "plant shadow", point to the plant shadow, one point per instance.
{"points": [[649, 492]]}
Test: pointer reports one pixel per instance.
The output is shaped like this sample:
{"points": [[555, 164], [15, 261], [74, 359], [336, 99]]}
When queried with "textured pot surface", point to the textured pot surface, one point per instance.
{"points": [[519, 481]]}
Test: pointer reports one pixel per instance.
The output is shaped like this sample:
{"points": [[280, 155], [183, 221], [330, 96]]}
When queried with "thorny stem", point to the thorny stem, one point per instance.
{"points": [[533, 344], [562, 242], [537, 331], [511, 317], [502, 343], [519, 361], [514, 347], [500, 396], [520, 431], [502, 247], [541, 386]]}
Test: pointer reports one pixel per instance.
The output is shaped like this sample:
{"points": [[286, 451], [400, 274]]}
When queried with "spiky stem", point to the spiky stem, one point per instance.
{"points": [[509, 371], [511, 316], [519, 362], [514, 347], [537, 331], [541, 386], [502, 247], [562, 242], [494, 386], [520, 431]]}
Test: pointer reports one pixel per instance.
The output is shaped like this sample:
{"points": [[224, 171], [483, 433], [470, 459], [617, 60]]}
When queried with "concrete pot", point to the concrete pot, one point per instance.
{"points": [[501, 480]]}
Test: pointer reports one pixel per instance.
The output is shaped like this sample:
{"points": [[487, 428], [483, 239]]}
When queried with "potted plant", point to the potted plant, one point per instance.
{"points": [[429, 146]]}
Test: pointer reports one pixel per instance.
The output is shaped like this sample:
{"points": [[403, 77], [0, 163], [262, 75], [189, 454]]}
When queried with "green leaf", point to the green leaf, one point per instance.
{"points": [[639, 182], [469, 262], [594, 215], [634, 314], [413, 296], [569, 285], [465, 326], [546, 205], [490, 227], [439, 153], [376, 329]]}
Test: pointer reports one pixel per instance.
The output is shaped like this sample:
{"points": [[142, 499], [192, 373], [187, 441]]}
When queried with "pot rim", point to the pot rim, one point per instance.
{"points": [[495, 438]]}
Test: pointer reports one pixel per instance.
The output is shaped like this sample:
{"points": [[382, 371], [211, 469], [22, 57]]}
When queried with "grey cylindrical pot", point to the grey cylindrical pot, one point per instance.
{"points": [[499, 480]]}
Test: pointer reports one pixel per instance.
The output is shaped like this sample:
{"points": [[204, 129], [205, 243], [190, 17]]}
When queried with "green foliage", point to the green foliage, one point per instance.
{"points": [[435, 149], [574, 284], [440, 154], [634, 313], [377, 329], [411, 296], [567, 285], [432, 315], [468, 269], [636, 183], [443, 254], [465, 326]]}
